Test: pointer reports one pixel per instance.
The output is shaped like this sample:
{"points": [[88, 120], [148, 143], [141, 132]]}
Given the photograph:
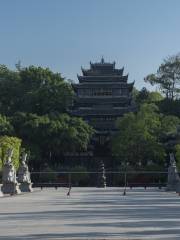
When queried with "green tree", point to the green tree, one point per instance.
{"points": [[154, 97], [169, 124], [36, 102], [34, 90], [44, 91], [142, 95], [51, 135], [167, 77], [138, 139], [5, 126], [7, 142], [145, 96], [10, 94], [170, 107], [81, 178], [177, 154]]}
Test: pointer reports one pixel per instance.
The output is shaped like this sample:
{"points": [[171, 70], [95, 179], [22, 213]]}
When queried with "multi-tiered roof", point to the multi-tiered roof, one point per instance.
{"points": [[102, 93]]}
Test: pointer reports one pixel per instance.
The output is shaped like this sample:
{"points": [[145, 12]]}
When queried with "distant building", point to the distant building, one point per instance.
{"points": [[102, 95]]}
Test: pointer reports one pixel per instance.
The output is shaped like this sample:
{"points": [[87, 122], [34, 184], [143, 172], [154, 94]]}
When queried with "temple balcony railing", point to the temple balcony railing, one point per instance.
{"points": [[103, 78], [105, 132], [118, 97], [95, 84], [99, 111], [105, 126], [104, 99]]}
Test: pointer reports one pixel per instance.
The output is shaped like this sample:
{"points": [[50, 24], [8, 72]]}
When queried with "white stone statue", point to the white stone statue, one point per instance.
{"points": [[172, 160], [9, 172], [23, 172], [10, 184], [173, 176], [24, 175], [9, 155]]}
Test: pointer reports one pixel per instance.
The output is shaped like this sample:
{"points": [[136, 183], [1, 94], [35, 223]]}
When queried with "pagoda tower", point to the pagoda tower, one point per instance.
{"points": [[103, 94]]}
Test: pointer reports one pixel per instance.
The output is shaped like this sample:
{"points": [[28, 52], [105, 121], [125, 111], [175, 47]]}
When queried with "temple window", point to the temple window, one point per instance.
{"points": [[102, 92]]}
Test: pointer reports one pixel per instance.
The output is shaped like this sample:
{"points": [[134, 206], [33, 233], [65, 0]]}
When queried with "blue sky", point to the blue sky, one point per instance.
{"points": [[66, 34]]}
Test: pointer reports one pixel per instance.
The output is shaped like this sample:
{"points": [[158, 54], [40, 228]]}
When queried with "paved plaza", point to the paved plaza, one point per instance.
{"points": [[91, 213]]}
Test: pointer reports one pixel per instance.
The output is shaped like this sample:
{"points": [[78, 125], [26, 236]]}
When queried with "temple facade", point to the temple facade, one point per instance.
{"points": [[103, 94]]}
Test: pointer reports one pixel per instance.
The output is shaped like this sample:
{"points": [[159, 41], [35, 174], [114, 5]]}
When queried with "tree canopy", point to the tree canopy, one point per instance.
{"points": [[7, 142], [34, 103], [167, 77], [34, 90], [145, 96], [138, 140]]}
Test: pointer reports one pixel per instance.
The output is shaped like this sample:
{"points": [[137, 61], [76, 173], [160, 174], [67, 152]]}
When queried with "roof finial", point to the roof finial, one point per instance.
{"points": [[102, 59]]}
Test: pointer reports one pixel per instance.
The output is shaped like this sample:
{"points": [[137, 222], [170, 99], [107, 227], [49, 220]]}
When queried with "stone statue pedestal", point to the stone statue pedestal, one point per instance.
{"points": [[11, 188], [26, 187]]}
